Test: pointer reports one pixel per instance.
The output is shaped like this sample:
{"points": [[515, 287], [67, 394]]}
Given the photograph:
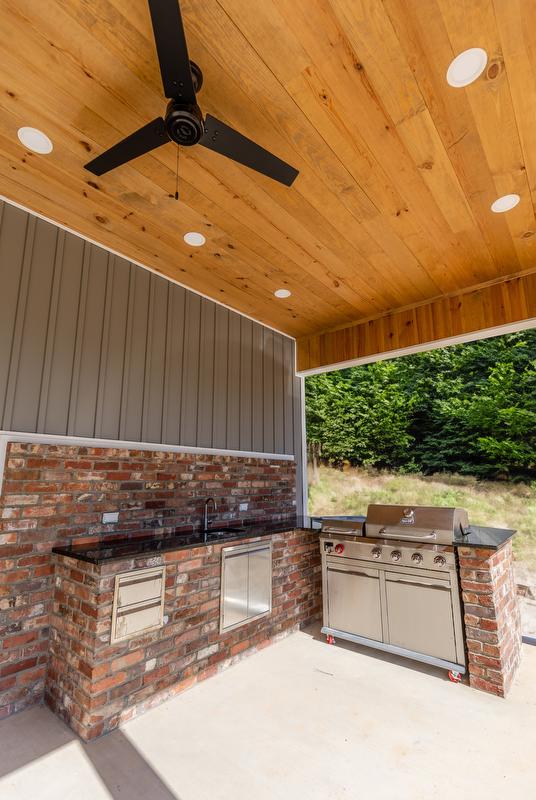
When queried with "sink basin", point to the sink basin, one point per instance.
{"points": [[221, 533]]}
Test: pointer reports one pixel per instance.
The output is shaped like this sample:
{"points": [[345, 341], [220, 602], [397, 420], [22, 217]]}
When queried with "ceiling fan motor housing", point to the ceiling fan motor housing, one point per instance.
{"points": [[184, 123]]}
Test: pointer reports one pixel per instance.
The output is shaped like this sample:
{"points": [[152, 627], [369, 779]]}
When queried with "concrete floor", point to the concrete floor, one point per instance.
{"points": [[300, 719]]}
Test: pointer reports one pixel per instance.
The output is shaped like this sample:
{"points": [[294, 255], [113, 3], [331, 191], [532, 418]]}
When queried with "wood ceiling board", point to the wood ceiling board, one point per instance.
{"points": [[291, 20], [493, 111], [508, 303], [118, 182], [352, 90], [365, 24], [352, 93], [424, 39], [337, 282], [234, 99], [515, 21]]}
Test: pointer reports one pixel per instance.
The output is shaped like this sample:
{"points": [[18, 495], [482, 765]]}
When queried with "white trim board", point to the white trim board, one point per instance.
{"points": [[139, 264], [474, 336], [7, 437]]}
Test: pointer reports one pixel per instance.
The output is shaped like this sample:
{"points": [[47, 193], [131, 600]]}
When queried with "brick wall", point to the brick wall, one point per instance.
{"points": [[53, 494], [95, 685], [492, 619]]}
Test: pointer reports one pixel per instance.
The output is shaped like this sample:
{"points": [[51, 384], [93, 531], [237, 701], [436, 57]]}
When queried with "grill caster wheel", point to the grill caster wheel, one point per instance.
{"points": [[330, 639], [454, 676]]}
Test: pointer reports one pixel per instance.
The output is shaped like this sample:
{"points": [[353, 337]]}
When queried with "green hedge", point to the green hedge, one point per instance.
{"points": [[468, 408]]}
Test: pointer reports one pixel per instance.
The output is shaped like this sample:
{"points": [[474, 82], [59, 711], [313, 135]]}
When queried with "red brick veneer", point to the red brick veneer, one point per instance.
{"points": [[95, 686], [55, 493], [492, 618]]}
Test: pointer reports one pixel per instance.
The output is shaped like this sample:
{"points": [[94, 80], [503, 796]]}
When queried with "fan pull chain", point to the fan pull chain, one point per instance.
{"points": [[177, 176]]}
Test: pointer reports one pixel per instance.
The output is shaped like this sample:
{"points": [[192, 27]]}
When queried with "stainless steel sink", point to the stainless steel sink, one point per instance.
{"points": [[221, 533]]}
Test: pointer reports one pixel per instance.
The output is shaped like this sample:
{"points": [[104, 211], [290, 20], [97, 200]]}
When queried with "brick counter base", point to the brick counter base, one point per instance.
{"points": [[95, 686], [55, 494], [492, 618]]}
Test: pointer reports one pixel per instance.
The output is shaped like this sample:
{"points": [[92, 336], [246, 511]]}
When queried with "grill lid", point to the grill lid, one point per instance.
{"points": [[432, 524]]}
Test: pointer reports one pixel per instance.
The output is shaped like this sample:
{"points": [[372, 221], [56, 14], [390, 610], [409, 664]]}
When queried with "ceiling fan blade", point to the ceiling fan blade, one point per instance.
{"points": [[172, 50], [225, 140], [141, 141]]}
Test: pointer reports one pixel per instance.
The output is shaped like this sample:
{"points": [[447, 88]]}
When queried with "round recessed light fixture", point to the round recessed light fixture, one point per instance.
{"points": [[505, 203], [282, 293], [467, 67], [35, 140], [194, 239]]}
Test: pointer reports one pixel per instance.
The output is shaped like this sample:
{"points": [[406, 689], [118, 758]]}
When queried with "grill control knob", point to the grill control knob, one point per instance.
{"points": [[376, 552], [339, 548], [440, 561], [417, 558], [396, 555]]}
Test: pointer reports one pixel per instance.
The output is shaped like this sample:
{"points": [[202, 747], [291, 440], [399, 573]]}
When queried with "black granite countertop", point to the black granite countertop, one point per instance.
{"points": [[479, 536], [135, 546]]}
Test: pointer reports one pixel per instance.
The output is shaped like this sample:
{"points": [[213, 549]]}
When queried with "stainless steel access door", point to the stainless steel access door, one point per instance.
{"points": [[246, 583], [420, 616], [235, 589], [260, 581], [353, 600]]}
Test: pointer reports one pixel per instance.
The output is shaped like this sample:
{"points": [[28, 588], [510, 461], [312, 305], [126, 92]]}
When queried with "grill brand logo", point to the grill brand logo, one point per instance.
{"points": [[409, 517]]}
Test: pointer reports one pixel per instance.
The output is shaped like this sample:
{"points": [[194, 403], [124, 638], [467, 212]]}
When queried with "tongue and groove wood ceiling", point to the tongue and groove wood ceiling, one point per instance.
{"points": [[397, 169]]}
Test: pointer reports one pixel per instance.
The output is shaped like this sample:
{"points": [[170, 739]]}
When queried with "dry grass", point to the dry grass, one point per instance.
{"points": [[502, 505]]}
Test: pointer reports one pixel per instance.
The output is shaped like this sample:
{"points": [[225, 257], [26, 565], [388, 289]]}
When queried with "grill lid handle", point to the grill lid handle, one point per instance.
{"points": [[403, 535]]}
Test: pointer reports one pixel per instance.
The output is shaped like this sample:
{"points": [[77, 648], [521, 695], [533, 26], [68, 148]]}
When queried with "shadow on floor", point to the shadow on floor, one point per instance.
{"points": [[35, 733], [124, 770], [407, 663]]}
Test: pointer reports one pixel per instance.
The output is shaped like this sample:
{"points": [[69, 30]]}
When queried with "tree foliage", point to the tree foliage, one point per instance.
{"points": [[468, 408]]}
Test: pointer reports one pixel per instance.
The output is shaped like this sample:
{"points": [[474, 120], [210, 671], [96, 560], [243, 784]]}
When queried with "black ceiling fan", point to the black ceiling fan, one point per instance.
{"points": [[184, 122]]}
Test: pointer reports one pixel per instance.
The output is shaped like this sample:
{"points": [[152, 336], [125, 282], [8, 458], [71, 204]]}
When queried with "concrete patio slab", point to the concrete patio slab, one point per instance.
{"points": [[300, 719]]}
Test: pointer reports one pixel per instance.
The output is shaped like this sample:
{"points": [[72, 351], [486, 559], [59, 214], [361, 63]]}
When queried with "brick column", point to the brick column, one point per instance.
{"points": [[492, 618]]}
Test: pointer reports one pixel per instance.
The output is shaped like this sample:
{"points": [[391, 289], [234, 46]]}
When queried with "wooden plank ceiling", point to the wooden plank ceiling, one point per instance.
{"points": [[397, 169]]}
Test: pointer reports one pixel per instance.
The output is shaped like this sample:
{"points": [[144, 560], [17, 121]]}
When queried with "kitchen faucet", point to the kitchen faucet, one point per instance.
{"points": [[207, 503]]}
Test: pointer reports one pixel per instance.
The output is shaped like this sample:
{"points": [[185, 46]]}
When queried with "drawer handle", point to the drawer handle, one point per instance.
{"points": [[126, 610]]}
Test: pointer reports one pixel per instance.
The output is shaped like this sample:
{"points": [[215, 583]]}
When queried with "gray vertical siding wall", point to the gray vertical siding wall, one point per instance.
{"points": [[92, 345]]}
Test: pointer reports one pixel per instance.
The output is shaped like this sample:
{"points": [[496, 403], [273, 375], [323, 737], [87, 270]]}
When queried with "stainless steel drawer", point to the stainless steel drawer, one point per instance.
{"points": [[130, 621], [136, 588], [138, 602]]}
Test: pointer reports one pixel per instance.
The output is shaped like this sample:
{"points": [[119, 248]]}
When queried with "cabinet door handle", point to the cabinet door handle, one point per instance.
{"points": [[363, 574], [421, 582]]}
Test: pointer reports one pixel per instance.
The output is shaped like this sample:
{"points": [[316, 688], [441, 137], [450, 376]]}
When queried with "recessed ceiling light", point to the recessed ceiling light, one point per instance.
{"points": [[35, 140], [194, 239], [505, 203], [467, 67], [282, 293]]}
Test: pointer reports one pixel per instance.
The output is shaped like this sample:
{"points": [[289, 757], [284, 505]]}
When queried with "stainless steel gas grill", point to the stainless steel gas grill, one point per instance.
{"points": [[395, 588]]}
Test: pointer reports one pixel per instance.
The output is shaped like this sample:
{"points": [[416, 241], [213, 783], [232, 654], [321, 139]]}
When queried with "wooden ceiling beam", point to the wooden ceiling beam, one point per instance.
{"points": [[486, 311]]}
